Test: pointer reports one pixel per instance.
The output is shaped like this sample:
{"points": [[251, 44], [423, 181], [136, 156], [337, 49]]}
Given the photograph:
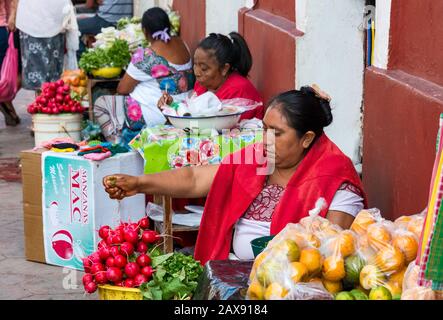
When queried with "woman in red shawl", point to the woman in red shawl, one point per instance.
{"points": [[221, 65], [255, 193]]}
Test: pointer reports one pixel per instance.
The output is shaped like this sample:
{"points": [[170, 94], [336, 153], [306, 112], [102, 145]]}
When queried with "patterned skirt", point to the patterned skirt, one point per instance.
{"points": [[42, 59]]}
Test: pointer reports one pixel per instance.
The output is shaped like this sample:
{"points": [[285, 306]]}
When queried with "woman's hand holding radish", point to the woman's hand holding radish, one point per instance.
{"points": [[120, 186]]}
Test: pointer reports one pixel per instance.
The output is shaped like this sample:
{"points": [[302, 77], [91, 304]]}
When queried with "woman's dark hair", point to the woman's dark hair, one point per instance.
{"points": [[156, 19], [233, 50], [304, 110]]}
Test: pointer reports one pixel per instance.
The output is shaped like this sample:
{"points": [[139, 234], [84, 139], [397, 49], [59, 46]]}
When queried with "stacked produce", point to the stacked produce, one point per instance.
{"points": [[55, 98], [106, 62], [315, 259], [131, 33], [77, 81], [129, 256], [123, 257], [176, 277]]}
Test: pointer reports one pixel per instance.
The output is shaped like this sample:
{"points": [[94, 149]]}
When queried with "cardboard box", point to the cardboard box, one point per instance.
{"points": [[47, 230], [75, 204], [32, 204]]}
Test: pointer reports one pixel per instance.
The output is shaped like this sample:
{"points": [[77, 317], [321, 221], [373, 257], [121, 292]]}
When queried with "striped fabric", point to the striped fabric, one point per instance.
{"points": [[114, 10], [435, 198], [434, 266]]}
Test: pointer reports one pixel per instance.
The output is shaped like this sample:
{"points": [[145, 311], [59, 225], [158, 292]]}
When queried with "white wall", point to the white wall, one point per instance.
{"points": [[222, 16], [331, 54], [382, 27]]}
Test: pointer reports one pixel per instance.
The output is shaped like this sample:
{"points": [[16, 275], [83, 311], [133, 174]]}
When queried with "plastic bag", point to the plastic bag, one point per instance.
{"points": [[9, 72], [368, 261], [411, 290], [290, 266]]}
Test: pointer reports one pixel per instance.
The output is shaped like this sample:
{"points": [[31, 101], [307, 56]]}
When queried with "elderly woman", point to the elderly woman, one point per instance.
{"points": [[255, 193], [221, 65], [165, 65]]}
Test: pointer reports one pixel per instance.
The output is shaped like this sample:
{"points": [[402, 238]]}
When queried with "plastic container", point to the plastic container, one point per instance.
{"points": [[107, 72], [259, 244], [49, 126], [108, 292]]}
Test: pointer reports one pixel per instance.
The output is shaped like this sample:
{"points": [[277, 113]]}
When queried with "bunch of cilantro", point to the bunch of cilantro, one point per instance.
{"points": [[176, 277], [117, 55]]}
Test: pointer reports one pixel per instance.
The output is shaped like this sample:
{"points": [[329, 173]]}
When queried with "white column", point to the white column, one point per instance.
{"points": [[222, 16], [331, 54], [382, 29]]}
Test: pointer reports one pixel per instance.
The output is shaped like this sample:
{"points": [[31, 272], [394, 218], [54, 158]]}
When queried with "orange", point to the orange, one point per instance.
{"points": [[407, 244], [416, 226], [287, 247], [332, 286], [390, 259], [378, 236], [312, 240], [333, 268], [371, 277], [255, 291], [299, 272], [362, 221], [346, 243], [305, 239], [312, 259], [257, 263], [398, 277], [402, 222], [275, 292], [393, 287]]}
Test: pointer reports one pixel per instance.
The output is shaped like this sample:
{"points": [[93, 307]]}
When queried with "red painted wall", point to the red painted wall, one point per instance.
{"points": [[193, 21], [271, 39], [282, 8], [401, 114], [417, 38]]}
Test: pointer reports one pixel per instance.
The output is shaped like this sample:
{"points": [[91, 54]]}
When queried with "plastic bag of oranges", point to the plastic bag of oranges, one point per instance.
{"points": [[290, 266]]}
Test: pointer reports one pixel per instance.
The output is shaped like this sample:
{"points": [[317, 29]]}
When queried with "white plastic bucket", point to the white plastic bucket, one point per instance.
{"points": [[50, 126]]}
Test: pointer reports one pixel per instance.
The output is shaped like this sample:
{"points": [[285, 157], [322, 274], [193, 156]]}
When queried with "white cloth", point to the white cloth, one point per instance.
{"points": [[247, 230], [147, 93], [42, 18], [72, 38]]}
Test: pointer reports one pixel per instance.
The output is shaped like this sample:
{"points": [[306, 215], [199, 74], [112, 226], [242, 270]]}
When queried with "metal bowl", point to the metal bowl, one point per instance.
{"points": [[224, 120]]}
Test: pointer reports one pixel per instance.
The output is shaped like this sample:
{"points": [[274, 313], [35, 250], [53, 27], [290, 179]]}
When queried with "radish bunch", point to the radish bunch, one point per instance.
{"points": [[54, 99], [122, 257]]}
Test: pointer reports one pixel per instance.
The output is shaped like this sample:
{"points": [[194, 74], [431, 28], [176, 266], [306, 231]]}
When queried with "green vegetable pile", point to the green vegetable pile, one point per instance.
{"points": [[176, 277], [117, 55]]}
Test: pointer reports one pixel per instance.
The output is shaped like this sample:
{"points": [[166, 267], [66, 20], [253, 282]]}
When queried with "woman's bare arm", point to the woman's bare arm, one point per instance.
{"points": [[189, 182]]}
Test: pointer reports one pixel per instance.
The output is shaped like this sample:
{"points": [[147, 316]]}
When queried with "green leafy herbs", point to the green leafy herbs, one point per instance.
{"points": [[117, 55], [176, 277]]}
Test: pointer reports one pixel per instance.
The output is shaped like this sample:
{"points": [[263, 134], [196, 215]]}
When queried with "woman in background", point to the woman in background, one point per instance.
{"points": [[221, 65]]}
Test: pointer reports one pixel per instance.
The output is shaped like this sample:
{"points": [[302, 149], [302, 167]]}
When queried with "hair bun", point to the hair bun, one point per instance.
{"points": [[323, 99]]}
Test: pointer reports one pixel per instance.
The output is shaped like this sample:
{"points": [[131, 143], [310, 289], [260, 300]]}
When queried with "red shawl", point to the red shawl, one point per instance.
{"points": [[236, 86], [320, 174]]}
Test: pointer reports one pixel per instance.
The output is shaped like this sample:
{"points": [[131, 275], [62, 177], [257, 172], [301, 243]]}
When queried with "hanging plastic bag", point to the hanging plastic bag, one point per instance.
{"points": [[9, 72]]}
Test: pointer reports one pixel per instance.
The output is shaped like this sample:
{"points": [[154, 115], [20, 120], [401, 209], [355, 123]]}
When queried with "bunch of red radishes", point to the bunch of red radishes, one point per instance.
{"points": [[122, 257], [55, 98]]}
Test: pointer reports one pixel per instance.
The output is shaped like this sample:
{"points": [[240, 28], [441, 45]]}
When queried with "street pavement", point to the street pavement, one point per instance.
{"points": [[19, 278]]}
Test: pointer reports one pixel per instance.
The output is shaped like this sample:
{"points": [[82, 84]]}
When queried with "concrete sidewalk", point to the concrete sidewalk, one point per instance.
{"points": [[21, 279]]}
